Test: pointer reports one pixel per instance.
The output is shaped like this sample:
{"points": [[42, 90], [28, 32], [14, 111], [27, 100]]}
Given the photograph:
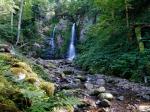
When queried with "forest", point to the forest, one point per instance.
{"points": [[74, 55]]}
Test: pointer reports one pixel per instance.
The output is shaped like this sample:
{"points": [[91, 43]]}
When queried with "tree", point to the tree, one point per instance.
{"points": [[19, 22], [6, 7]]}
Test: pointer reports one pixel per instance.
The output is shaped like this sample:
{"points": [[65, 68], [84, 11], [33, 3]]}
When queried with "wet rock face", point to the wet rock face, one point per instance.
{"points": [[5, 48]]}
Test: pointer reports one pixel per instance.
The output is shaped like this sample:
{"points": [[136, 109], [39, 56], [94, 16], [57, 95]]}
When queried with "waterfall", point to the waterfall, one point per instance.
{"points": [[52, 40], [72, 52]]}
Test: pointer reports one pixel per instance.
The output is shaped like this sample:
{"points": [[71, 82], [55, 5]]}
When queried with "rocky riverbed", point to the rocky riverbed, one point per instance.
{"points": [[98, 93]]}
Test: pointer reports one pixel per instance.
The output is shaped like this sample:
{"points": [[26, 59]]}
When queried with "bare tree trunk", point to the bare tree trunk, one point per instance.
{"points": [[127, 13], [19, 21], [139, 39], [12, 21], [127, 21]]}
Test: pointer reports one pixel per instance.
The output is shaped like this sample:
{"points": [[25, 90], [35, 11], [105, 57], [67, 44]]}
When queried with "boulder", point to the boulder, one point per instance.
{"points": [[100, 82], [89, 86], [5, 48], [99, 90], [104, 103], [81, 78], [48, 87], [107, 96]]}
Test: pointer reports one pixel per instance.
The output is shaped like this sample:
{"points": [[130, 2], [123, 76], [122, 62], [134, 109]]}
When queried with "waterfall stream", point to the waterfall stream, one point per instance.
{"points": [[52, 40], [72, 51]]}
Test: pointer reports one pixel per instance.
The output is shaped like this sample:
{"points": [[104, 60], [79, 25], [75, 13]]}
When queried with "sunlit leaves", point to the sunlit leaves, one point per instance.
{"points": [[7, 6]]}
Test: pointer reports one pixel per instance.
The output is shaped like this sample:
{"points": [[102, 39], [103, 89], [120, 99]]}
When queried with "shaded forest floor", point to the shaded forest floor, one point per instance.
{"points": [[127, 96]]}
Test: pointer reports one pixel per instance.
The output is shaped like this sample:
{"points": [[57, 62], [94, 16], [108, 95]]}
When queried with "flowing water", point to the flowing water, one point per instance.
{"points": [[72, 51], [52, 40]]}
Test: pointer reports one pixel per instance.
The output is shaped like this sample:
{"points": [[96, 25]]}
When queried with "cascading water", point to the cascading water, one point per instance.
{"points": [[72, 51], [52, 40], [49, 50]]}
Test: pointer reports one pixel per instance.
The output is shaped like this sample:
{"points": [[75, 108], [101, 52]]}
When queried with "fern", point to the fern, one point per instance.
{"points": [[61, 100]]}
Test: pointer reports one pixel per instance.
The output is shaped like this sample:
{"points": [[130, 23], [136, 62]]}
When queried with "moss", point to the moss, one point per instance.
{"points": [[2, 86], [6, 56], [32, 80], [10, 89], [48, 87], [1, 98], [9, 102], [8, 106], [39, 70], [17, 71], [23, 66]]}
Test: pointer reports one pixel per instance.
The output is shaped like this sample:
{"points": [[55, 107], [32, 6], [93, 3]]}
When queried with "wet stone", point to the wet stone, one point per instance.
{"points": [[100, 82], [99, 90], [120, 98], [89, 86], [82, 79], [146, 97], [107, 96], [68, 72], [104, 103]]}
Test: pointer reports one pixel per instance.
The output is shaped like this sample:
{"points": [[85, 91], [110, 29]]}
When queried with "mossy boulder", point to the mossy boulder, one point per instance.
{"points": [[48, 87], [17, 75]]}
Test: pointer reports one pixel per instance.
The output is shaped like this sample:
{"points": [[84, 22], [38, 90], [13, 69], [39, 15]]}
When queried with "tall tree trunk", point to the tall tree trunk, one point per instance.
{"points": [[19, 21], [12, 21], [139, 39], [113, 14], [127, 21], [127, 13]]}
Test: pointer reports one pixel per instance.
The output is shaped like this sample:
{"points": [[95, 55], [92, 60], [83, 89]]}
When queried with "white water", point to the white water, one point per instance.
{"points": [[72, 52], [51, 42]]}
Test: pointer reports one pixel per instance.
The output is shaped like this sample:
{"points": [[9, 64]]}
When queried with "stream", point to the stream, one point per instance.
{"points": [[120, 95]]}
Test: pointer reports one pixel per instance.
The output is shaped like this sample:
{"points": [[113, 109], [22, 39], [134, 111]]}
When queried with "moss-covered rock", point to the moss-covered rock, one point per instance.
{"points": [[17, 75], [48, 87]]}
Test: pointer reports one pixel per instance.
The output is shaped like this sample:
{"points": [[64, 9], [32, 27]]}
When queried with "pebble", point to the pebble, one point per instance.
{"points": [[120, 98]]}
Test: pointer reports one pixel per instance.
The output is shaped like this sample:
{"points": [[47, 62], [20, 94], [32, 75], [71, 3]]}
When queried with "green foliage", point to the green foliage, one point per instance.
{"points": [[62, 100], [6, 34], [7, 6], [107, 48], [40, 70], [66, 38]]}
